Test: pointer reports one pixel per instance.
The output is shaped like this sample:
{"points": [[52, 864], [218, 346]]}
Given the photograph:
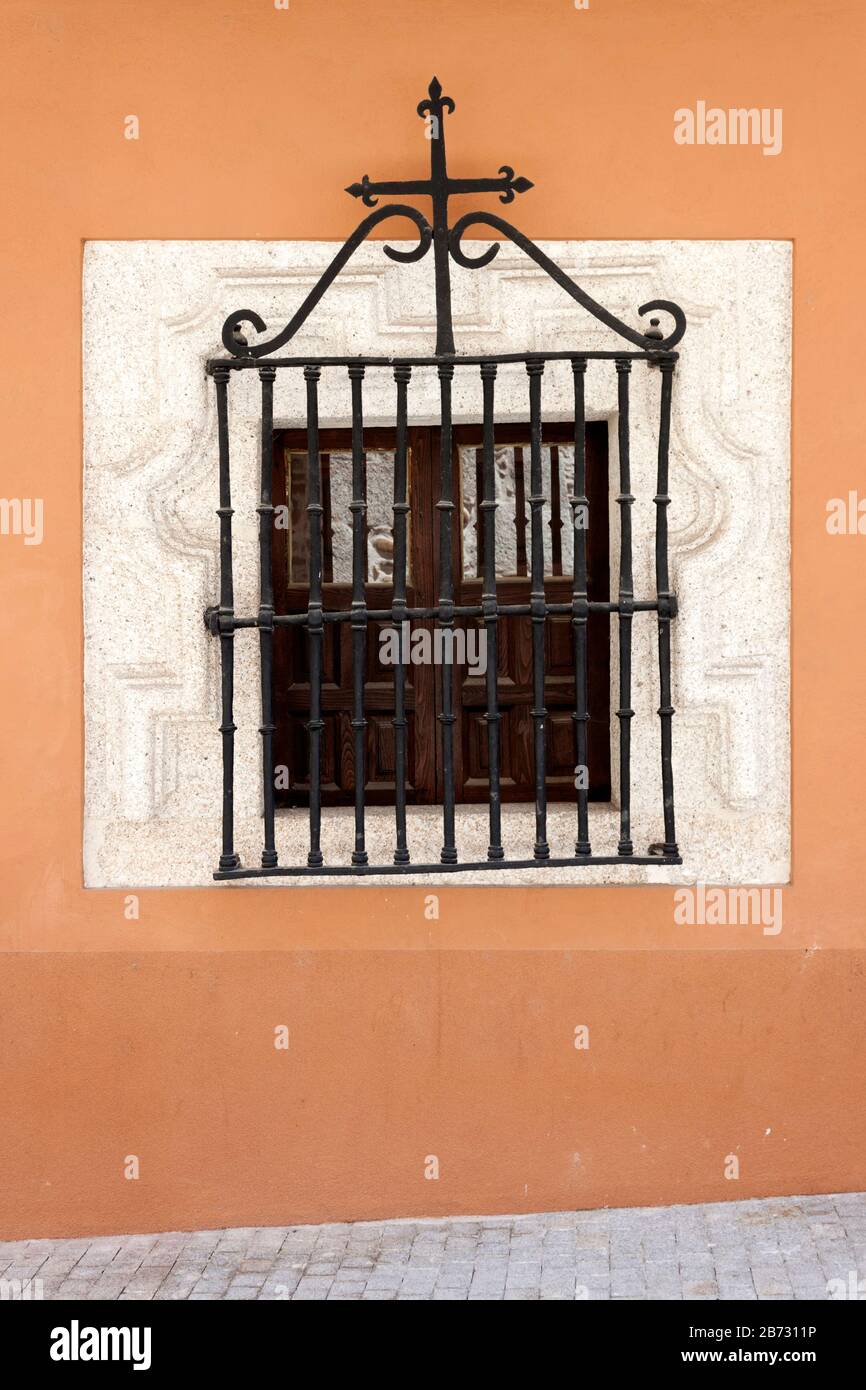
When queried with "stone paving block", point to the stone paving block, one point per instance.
{"points": [[523, 1276], [493, 1288], [325, 1252], [384, 1278], [142, 1288], [73, 1289], [557, 1260], [703, 1288], [414, 1284], [664, 1292], [771, 1283], [628, 1288], [31, 1270], [214, 1288], [312, 1288], [124, 1263], [694, 1259], [564, 1284], [591, 1242], [735, 1288], [108, 1287]]}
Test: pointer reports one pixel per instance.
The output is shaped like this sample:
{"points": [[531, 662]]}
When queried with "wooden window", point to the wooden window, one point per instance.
{"points": [[290, 574]]}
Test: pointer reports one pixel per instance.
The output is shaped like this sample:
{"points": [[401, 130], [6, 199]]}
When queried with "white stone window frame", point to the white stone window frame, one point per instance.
{"points": [[153, 312]]}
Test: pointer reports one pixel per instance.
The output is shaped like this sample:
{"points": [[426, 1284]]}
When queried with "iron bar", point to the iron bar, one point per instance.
{"points": [[398, 612], [505, 610], [436, 108], [225, 626], [487, 508], [445, 509], [580, 607], [469, 866], [538, 606], [667, 607], [358, 617], [314, 612], [265, 510], [624, 713], [240, 364]]}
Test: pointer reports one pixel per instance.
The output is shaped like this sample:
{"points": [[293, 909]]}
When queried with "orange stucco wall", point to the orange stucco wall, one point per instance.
{"points": [[409, 1037]]}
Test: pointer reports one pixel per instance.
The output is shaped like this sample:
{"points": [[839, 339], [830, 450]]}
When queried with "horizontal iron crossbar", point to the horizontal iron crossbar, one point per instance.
{"points": [[239, 364], [217, 623], [478, 865]]}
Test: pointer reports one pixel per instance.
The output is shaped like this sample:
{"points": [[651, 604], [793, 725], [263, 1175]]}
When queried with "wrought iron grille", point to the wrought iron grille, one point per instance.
{"points": [[651, 348]]}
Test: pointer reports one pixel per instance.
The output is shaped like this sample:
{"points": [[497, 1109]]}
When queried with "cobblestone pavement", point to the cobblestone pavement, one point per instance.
{"points": [[779, 1248]]}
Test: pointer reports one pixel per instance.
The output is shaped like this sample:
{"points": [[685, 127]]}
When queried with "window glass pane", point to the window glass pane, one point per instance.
{"points": [[337, 518], [513, 530]]}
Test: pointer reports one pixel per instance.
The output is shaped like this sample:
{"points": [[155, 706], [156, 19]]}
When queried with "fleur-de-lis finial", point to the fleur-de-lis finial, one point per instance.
{"points": [[434, 103]]}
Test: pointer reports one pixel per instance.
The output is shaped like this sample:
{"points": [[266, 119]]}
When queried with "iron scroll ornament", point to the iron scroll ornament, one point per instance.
{"points": [[446, 243], [556, 273], [236, 343]]}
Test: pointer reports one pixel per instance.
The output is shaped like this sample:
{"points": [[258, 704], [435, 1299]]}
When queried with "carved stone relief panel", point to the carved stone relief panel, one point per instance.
{"points": [[152, 316]]}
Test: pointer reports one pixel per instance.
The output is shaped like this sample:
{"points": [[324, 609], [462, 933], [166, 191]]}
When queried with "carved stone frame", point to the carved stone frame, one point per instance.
{"points": [[152, 316]]}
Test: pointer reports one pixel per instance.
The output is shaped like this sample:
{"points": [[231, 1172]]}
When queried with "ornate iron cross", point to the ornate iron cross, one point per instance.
{"points": [[447, 243], [440, 187]]}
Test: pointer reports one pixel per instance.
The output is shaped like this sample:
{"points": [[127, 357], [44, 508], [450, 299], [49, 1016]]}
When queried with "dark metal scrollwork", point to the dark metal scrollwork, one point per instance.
{"points": [[446, 242], [234, 341], [489, 219]]}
